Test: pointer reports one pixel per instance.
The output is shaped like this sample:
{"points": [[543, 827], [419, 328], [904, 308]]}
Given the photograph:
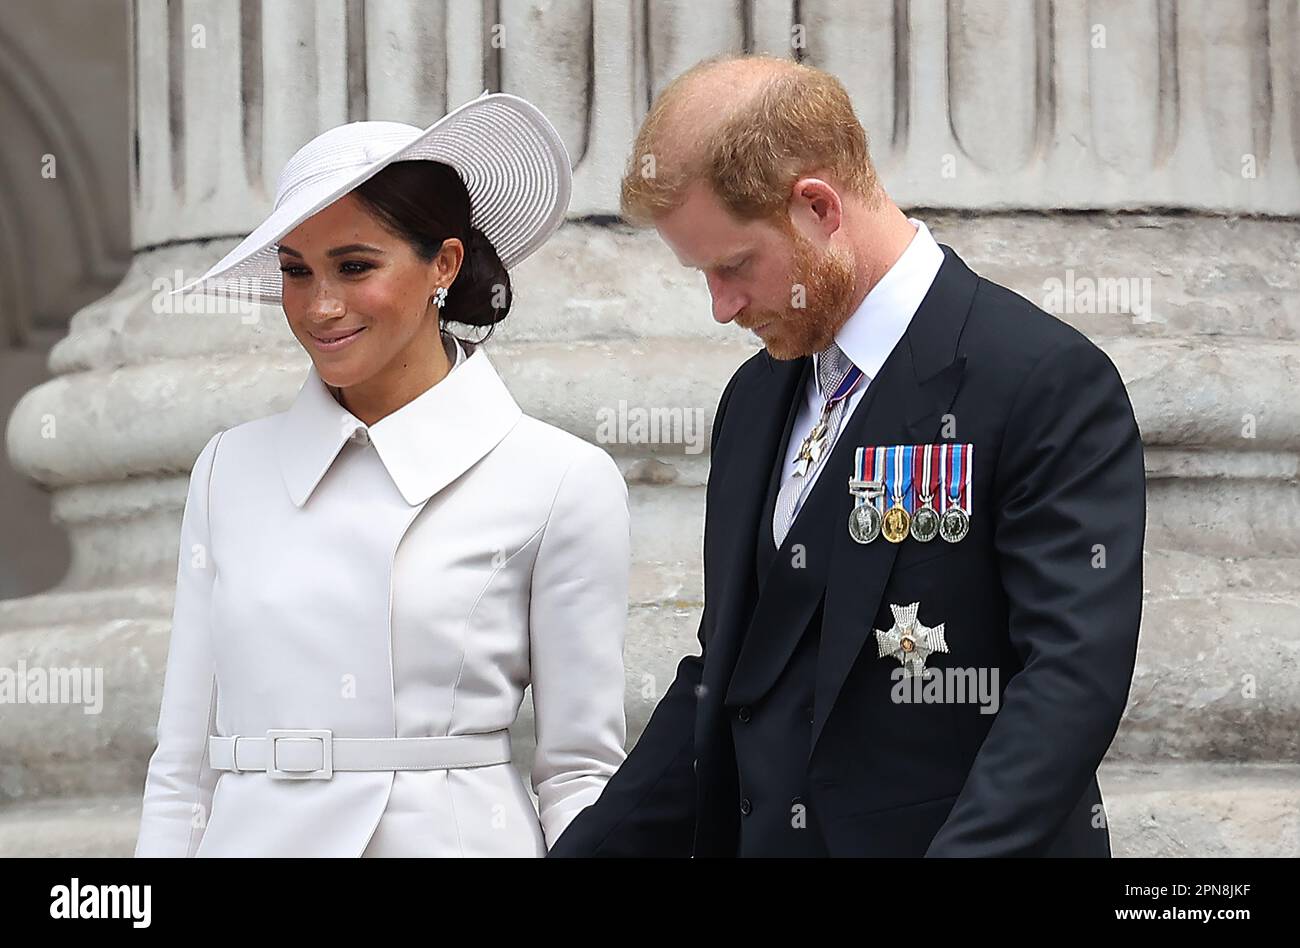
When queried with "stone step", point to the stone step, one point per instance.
{"points": [[1154, 808], [93, 827], [1166, 808]]}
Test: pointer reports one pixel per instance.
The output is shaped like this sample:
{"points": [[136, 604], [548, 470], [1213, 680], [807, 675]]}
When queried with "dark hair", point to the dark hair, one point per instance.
{"points": [[425, 202]]}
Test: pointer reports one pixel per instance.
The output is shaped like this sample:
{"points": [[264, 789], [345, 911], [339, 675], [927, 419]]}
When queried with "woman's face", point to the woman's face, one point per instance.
{"points": [[357, 297]]}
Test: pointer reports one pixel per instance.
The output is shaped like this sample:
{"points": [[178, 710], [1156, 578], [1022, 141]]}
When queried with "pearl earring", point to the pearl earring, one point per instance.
{"points": [[440, 297]]}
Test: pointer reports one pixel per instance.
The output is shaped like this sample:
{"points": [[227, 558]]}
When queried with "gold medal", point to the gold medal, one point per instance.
{"points": [[896, 523]]}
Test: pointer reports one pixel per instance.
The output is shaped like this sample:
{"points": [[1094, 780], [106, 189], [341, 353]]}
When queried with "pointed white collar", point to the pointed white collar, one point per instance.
{"points": [[424, 445]]}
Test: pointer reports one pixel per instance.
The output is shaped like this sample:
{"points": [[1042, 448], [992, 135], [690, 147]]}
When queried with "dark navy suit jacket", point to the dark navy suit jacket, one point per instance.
{"points": [[1046, 588]]}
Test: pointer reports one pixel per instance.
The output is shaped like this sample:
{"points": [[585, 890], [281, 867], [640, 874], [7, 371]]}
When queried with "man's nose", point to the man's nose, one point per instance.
{"points": [[726, 304]]}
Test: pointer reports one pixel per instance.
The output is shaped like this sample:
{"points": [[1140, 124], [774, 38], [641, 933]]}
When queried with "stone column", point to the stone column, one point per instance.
{"points": [[1168, 132]]}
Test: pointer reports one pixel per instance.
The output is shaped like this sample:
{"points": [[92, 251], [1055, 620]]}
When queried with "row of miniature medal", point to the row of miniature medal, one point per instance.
{"points": [[927, 487]]}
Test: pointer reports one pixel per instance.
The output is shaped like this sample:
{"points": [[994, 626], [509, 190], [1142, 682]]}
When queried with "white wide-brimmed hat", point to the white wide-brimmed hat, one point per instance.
{"points": [[512, 160]]}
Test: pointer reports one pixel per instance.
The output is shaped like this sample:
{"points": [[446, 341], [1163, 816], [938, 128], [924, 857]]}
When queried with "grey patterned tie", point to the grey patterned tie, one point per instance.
{"points": [[833, 366]]}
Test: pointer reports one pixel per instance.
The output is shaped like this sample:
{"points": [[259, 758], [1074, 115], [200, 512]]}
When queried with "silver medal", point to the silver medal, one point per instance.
{"points": [[925, 524], [864, 522], [954, 524], [910, 641], [864, 518]]}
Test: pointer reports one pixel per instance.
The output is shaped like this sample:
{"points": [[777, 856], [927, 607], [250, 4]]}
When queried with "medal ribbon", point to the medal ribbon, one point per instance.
{"points": [[848, 385], [860, 464], [896, 488], [923, 474], [909, 462], [966, 465], [956, 467], [879, 472], [945, 455], [868, 464], [888, 497]]}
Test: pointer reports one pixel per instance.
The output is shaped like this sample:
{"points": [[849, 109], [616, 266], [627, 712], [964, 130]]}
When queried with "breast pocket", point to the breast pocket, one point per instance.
{"points": [[938, 554]]}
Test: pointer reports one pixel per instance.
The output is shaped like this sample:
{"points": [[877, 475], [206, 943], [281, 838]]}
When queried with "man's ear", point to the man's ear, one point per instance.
{"points": [[815, 206]]}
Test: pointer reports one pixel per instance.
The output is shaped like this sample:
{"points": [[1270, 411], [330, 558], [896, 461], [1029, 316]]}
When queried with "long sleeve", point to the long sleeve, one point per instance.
{"points": [[1070, 516], [577, 623], [649, 808], [179, 785]]}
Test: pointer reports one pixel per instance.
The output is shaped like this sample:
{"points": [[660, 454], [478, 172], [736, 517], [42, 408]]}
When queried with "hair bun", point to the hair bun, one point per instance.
{"points": [[481, 294]]}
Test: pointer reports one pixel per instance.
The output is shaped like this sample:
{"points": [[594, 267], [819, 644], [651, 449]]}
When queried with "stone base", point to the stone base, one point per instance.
{"points": [[1160, 808], [1155, 808]]}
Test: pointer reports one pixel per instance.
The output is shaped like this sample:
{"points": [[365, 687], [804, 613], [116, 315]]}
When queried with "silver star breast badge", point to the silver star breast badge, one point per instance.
{"points": [[909, 641]]}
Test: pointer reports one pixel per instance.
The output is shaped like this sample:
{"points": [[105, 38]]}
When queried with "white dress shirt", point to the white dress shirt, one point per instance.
{"points": [[867, 338], [410, 578]]}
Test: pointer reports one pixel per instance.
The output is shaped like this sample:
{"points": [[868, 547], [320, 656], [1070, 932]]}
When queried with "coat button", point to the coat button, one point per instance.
{"points": [[695, 765], [743, 713], [809, 711], [745, 806]]}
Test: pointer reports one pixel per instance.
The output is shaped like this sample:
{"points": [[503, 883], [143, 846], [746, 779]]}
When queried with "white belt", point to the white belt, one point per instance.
{"points": [[314, 754]]}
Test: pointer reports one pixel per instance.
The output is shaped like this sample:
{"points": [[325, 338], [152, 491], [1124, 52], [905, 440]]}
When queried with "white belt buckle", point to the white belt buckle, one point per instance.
{"points": [[325, 736]]}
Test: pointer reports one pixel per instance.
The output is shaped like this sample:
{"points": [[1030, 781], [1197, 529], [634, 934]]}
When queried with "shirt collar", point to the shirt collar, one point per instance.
{"points": [[874, 328], [424, 445]]}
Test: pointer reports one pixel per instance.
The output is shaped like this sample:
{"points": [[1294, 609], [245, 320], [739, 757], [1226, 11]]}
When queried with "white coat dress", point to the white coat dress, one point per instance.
{"points": [[405, 579]]}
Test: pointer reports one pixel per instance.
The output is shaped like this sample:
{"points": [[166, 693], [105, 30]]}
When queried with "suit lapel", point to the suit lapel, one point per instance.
{"points": [[764, 547], [800, 570], [918, 384], [747, 452]]}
